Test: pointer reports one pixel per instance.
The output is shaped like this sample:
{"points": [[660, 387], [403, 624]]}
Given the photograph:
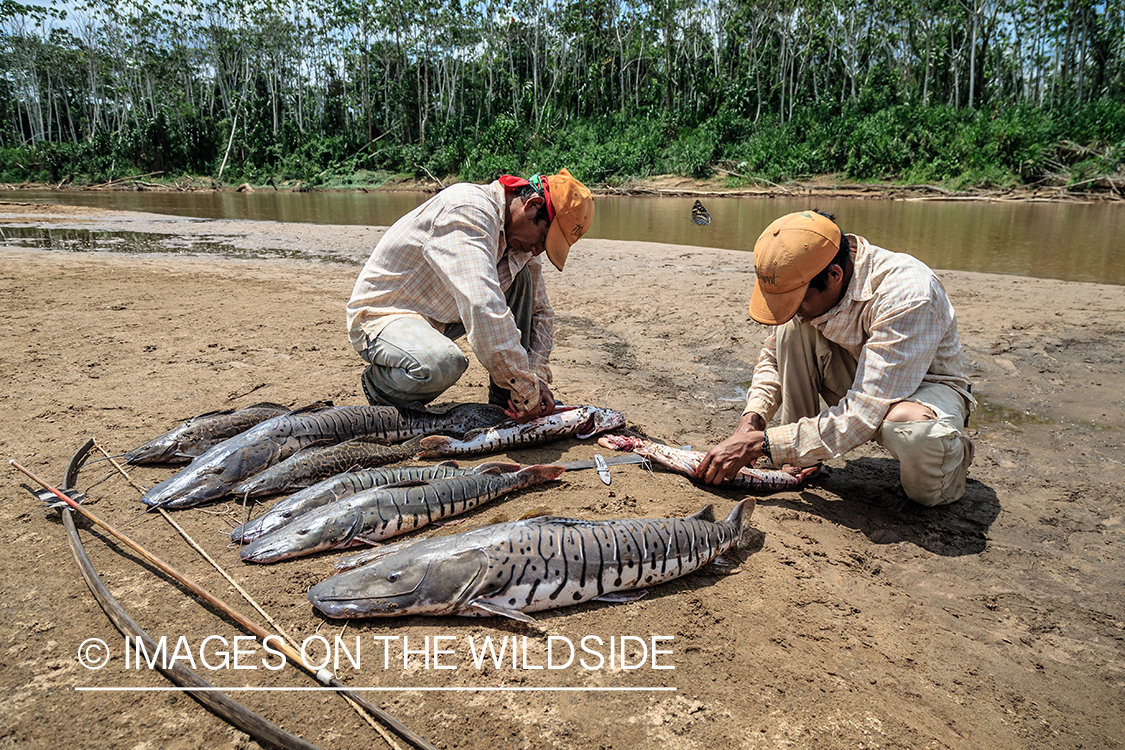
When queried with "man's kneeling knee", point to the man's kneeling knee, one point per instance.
{"points": [[933, 459]]}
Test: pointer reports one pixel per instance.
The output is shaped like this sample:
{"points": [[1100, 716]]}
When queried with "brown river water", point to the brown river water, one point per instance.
{"points": [[1067, 241]]}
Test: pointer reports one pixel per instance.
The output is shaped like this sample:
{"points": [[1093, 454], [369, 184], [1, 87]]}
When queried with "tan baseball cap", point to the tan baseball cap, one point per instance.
{"points": [[787, 256], [572, 211]]}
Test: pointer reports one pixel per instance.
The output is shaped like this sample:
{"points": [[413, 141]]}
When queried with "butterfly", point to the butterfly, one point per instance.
{"points": [[699, 214]]}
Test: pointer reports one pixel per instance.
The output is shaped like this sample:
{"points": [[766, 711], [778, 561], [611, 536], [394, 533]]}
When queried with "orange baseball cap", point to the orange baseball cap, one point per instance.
{"points": [[572, 211], [787, 256]]}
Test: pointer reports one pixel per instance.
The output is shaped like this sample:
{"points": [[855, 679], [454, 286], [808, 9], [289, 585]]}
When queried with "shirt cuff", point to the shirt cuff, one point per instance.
{"points": [[783, 444], [525, 399]]}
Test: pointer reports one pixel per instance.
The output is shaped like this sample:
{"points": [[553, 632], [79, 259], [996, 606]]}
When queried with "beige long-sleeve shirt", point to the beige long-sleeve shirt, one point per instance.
{"points": [[897, 321], [448, 261]]}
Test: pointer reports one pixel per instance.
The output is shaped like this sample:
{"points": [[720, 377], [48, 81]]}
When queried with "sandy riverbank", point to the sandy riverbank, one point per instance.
{"points": [[860, 621]]}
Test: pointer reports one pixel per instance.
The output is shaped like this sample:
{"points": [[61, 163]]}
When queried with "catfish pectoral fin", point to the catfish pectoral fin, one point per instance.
{"points": [[621, 597], [485, 608], [374, 553]]}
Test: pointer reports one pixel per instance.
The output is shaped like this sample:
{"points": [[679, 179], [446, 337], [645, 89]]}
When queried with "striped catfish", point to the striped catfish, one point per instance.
{"points": [[308, 466], [686, 462], [510, 569], [192, 438], [217, 471], [565, 421], [347, 484], [384, 512]]}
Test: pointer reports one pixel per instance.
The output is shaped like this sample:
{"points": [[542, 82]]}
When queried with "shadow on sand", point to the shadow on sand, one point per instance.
{"points": [[865, 500]]}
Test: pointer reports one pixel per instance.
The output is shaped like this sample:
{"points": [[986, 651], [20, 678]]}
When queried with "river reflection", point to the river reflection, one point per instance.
{"points": [[1068, 241]]}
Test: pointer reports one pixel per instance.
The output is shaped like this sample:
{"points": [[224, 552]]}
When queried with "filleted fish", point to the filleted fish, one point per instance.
{"points": [[347, 484], [510, 569], [195, 436], [217, 471], [566, 421], [686, 462], [384, 512]]}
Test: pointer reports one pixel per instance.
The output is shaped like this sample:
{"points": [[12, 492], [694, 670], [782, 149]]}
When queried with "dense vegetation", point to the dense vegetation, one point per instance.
{"points": [[335, 92]]}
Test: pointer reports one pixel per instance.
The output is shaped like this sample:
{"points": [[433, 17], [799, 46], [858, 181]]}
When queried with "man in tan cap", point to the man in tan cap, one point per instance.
{"points": [[466, 262], [871, 332]]}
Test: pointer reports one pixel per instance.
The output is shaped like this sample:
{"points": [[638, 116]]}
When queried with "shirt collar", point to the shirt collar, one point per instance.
{"points": [[859, 287]]}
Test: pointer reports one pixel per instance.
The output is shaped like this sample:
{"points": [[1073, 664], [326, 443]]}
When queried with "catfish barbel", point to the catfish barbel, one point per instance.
{"points": [[510, 569], [347, 484], [384, 512], [213, 474], [686, 462], [192, 438], [566, 421]]}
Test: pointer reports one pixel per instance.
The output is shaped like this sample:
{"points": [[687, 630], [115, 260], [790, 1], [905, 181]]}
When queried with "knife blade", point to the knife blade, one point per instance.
{"points": [[590, 463]]}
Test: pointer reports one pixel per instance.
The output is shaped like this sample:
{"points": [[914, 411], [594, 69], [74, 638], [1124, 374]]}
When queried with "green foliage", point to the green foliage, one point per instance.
{"points": [[907, 143], [614, 91]]}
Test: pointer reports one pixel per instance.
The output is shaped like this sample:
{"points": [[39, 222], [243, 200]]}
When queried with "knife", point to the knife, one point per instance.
{"points": [[590, 463]]}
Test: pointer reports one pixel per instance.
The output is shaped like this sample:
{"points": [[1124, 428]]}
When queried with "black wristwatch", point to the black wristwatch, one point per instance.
{"points": [[766, 445]]}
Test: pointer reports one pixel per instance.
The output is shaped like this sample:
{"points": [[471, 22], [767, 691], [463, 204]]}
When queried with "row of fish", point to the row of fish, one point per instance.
{"points": [[297, 448], [503, 569], [224, 466], [512, 569], [366, 507]]}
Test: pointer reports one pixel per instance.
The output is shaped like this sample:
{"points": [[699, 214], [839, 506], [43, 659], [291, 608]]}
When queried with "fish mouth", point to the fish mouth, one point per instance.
{"points": [[588, 428], [287, 543], [600, 421]]}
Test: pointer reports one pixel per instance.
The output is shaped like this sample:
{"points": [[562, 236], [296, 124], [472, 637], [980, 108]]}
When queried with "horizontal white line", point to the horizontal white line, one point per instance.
{"points": [[371, 689]]}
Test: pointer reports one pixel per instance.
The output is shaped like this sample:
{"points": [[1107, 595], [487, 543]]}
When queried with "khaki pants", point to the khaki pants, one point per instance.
{"points": [[933, 455], [410, 362]]}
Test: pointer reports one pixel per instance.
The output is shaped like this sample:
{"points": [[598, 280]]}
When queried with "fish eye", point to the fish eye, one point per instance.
{"points": [[392, 577]]}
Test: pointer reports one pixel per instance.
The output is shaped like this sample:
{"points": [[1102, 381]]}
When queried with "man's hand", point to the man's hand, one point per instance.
{"points": [[723, 462], [544, 406]]}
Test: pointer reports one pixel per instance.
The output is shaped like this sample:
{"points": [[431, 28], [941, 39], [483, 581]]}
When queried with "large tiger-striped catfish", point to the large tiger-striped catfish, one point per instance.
{"points": [[565, 421], [683, 461], [347, 484], [510, 569], [192, 438], [384, 512], [213, 474]]}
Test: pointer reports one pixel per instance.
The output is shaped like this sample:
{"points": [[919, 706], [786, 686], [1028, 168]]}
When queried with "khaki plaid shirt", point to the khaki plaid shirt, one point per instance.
{"points": [[448, 261], [897, 321]]}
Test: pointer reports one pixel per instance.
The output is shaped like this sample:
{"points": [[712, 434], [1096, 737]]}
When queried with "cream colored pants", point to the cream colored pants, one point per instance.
{"points": [[933, 454]]}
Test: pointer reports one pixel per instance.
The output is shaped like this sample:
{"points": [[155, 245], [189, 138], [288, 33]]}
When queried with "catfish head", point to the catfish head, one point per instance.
{"points": [[404, 582], [599, 420], [312, 532]]}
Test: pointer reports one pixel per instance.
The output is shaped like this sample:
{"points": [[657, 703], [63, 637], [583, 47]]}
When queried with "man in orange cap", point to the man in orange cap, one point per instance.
{"points": [[466, 262], [873, 334]]}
